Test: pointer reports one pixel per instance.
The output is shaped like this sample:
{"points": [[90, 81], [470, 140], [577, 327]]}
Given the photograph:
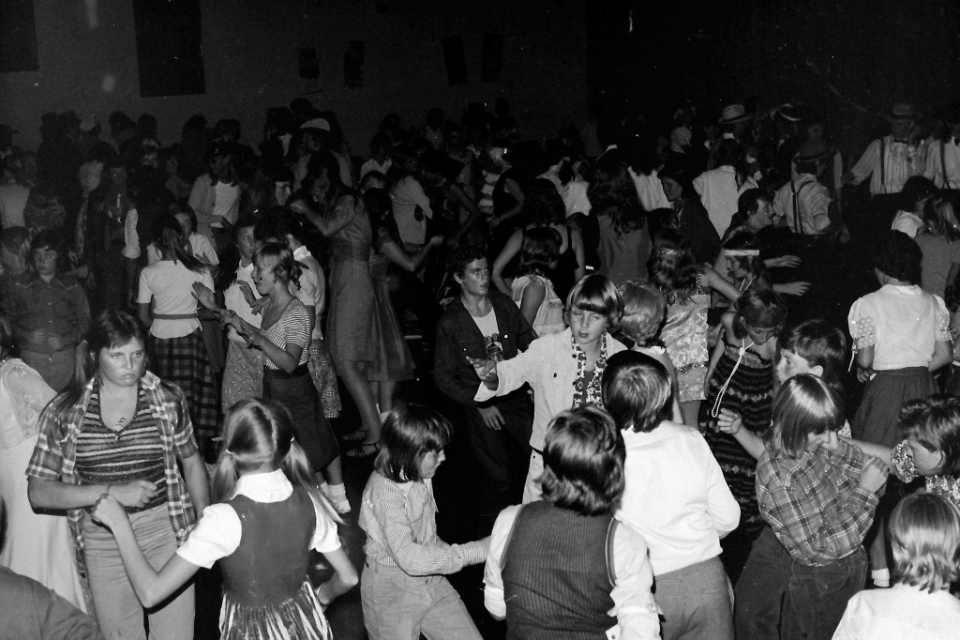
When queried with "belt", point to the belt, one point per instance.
{"points": [[175, 316], [279, 374]]}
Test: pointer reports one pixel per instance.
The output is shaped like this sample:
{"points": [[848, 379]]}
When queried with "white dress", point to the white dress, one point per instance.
{"points": [[549, 318], [34, 545]]}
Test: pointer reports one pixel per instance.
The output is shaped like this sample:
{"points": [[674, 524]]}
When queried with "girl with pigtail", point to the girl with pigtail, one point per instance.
{"points": [[262, 484], [168, 308]]}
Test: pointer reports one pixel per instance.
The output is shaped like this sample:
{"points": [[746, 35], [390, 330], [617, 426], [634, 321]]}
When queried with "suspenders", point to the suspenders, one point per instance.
{"points": [[883, 162], [797, 218]]}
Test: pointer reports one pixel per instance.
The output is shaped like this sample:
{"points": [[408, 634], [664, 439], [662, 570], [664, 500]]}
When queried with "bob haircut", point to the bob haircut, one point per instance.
{"points": [[280, 258], [935, 423], [805, 405], [409, 433], [637, 391], [583, 462], [898, 256], [821, 344], [598, 294], [759, 308], [643, 311], [541, 248], [925, 538]]}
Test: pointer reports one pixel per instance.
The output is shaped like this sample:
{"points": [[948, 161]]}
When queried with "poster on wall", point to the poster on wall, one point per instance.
{"points": [[453, 56], [169, 47], [353, 65], [18, 42]]}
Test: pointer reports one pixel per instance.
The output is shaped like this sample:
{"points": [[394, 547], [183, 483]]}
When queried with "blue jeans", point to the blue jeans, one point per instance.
{"points": [[398, 606], [119, 612], [819, 595], [761, 589]]}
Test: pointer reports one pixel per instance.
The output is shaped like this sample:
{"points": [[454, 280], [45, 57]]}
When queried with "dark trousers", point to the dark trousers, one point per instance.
{"points": [[819, 595], [503, 454], [761, 589]]}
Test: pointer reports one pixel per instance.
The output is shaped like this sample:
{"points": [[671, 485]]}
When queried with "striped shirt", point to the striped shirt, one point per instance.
{"points": [[814, 503], [400, 521], [900, 161], [134, 452], [292, 328]]}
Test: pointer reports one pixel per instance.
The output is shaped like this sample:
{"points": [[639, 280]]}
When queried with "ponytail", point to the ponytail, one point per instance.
{"points": [[296, 467]]}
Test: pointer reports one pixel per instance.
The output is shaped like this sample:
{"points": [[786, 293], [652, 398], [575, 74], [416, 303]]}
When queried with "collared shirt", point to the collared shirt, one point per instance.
{"points": [[675, 496], [814, 503], [55, 457], [900, 162], [904, 323], [399, 519], [719, 194], [939, 153], [814, 201], [900, 612], [218, 531], [550, 367], [633, 602], [59, 309]]}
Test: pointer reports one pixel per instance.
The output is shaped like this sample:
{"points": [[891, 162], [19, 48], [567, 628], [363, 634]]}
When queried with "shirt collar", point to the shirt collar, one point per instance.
{"points": [[300, 253], [250, 482]]}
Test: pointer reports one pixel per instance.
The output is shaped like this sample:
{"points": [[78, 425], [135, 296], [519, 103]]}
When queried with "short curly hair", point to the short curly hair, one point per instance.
{"points": [[898, 256], [644, 309]]}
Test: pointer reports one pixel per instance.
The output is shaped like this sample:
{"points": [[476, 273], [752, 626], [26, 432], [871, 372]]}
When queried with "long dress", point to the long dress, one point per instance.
{"points": [[350, 318], [685, 336], [392, 360], [34, 545]]}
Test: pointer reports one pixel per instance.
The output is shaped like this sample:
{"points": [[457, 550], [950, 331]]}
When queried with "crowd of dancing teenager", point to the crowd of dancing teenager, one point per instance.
{"points": [[650, 336]]}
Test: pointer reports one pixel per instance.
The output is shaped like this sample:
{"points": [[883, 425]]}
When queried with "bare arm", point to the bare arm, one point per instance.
{"points": [[510, 249], [533, 296], [53, 494], [343, 579], [576, 239], [404, 261], [720, 285], [143, 312], [942, 355], [195, 475]]}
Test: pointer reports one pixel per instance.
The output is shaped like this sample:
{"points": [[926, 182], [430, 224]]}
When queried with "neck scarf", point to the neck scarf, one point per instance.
{"points": [[592, 394]]}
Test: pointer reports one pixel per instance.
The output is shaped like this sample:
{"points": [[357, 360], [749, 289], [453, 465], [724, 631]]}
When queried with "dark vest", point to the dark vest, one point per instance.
{"points": [[271, 562], [558, 574]]}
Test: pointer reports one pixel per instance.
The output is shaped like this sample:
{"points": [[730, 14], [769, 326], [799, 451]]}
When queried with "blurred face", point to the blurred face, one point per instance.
{"points": [[792, 364], [901, 128], [815, 132], [185, 223], [763, 217], [118, 176], [671, 188], [928, 462], [246, 243], [263, 276], [476, 278], [123, 365], [429, 463], [737, 267], [320, 186], [587, 326], [45, 261], [173, 165]]}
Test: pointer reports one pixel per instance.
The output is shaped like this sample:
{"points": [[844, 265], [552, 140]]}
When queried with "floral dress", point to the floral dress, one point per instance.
{"points": [[685, 336]]}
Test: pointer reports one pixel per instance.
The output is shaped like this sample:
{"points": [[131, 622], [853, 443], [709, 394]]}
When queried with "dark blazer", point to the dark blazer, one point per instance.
{"points": [[458, 336]]}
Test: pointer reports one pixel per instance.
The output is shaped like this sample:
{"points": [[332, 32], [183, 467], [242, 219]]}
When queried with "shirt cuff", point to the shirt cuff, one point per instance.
{"points": [[471, 552], [868, 497], [484, 393]]}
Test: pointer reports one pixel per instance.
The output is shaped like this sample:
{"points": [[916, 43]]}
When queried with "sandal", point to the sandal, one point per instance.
{"points": [[364, 451], [355, 436]]}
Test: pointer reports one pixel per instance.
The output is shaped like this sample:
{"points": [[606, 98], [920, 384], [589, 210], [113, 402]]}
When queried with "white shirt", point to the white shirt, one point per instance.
{"points": [[312, 289], [170, 285], [900, 162], [814, 204], [908, 222], [951, 156], [407, 195], [719, 194], [633, 603], [234, 301], [898, 613], [650, 190], [203, 249], [13, 200], [574, 195], [675, 496], [219, 529], [225, 204]]}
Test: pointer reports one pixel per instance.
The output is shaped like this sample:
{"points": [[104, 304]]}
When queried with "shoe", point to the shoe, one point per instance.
{"points": [[356, 436], [364, 451]]}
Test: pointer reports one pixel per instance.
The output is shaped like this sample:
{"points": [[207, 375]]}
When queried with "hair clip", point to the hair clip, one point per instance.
{"points": [[736, 253]]}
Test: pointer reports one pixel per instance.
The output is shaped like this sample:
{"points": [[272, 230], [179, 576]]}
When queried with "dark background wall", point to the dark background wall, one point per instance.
{"points": [[87, 61]]}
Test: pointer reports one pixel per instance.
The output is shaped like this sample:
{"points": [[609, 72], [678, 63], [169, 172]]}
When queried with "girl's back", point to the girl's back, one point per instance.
{"points": [[549, 318]]}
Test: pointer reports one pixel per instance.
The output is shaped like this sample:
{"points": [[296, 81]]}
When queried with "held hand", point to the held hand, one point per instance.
{"points": [[134, 494], [109, 511], [874, 475], [486, 369], [789, 262], [795, 288], [56, 342], [863, 375], [204, 296], [436, 241], [729, 422], [833, 441], [492, 417]]}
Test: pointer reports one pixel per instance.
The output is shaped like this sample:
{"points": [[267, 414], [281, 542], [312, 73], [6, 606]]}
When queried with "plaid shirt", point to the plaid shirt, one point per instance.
{"points": [[55, 456], [814, 504]]}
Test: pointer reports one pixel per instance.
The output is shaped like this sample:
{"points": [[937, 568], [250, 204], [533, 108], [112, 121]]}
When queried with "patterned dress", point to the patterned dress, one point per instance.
{"points": [[749, 393], [907, 472], [685, 336]]}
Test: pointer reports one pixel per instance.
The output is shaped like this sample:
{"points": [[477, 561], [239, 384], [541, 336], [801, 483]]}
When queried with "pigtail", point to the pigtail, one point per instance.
{"points": [[296, 467], [225, 477]]}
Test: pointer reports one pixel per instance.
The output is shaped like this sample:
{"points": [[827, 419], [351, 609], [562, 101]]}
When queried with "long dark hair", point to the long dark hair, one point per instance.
{"points": [[172, 242], [730, 153], [613, 194]]}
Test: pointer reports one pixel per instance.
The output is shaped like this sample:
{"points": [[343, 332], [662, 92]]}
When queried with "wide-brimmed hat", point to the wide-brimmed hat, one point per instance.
{"points": [[733, 114], [814, 151], [319, 124], [902, 111], [788, 112]]}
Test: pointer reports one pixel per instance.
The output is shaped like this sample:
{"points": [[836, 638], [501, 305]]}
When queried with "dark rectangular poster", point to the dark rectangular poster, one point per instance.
{"points": [[169, 47], [492, 62], [453, 56], [18, 36]]}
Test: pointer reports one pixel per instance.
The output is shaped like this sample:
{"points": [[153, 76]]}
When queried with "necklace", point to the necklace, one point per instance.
{"points": [[715, 410]]}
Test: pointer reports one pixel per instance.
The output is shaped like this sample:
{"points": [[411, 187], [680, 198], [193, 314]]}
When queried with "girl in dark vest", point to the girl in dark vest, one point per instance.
{"points": [[601, 588], [262, 484]]}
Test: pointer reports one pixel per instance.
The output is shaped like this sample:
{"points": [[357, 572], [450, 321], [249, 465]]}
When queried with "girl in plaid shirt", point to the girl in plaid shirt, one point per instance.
{"points": [[818, 494]]}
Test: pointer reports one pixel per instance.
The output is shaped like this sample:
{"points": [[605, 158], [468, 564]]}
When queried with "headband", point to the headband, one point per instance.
{"points": [[736, 253]]}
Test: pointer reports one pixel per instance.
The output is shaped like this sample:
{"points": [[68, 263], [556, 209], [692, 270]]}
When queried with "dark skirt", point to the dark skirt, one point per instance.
{"points": [[879, 412], [296, 392]]}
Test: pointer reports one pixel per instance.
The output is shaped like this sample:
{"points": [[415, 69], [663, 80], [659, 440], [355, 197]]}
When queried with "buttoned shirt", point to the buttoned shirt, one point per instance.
{"points": [[900, 162], [940, 154], [814, 503], [55, 456], [400, 521], [814, 199], [47, 316]]}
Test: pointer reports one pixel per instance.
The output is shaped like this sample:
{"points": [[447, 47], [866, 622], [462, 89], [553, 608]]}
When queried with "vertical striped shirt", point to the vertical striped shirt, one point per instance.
{"points": [[900, 162]]}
